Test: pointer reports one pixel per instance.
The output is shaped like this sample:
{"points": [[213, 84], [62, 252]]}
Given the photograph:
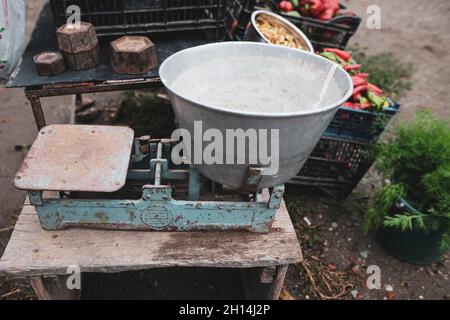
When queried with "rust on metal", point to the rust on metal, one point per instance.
{"points": [[49, 63], [252, 179], [77, 39], [77, 158], [133, 55], [34, 95], [36, 107]]}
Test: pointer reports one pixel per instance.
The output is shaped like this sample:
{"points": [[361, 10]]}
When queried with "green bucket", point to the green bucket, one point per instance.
{"points": [[416, 246]]}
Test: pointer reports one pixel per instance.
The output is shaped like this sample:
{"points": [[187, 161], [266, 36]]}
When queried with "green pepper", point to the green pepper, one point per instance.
{"points": [[376, 100], [330, 56], [296, 3], [294, 14]]}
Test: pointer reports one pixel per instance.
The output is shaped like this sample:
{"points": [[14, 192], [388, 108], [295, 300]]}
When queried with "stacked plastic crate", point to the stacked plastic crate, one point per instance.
{"points": [[344, 153], [149, 17]]}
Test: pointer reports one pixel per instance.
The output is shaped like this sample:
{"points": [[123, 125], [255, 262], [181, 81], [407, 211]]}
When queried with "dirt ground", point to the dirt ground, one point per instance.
{"points": [[416, 32], [335, 236], [17, 128]]}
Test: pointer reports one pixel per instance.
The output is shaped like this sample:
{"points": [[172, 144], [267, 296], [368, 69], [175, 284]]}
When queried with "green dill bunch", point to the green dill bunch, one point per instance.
{"points": [[417, 149], [415, 162]]}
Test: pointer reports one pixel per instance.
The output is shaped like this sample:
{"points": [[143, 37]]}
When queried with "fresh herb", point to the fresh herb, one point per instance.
{"points": [[417, 161]]}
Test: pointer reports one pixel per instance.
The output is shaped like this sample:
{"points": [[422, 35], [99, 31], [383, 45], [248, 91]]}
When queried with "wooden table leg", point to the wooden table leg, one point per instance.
{"points": [[278, 281], [53, 288], [264, 283]]}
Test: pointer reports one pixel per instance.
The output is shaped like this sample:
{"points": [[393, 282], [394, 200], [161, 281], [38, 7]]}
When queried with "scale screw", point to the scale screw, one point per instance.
{"points": [[144, 144], [144, 139]]}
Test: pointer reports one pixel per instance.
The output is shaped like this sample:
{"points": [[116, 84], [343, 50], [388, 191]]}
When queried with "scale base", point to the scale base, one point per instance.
{"points": [[157, 211]]}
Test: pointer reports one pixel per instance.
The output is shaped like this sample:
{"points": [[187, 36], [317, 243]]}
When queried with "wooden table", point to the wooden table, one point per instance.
{"points": [[44, 256]]}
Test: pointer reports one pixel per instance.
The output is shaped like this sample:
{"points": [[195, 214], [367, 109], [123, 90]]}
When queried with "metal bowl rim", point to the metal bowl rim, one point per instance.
{"points": [[283, 20], [326, 108]]}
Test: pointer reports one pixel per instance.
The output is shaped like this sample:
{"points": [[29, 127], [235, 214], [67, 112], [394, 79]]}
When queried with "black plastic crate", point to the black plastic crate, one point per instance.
{"points": [[150, 17], [239, 13], [361, 125], [323, 34], [336, 165], [343, 155]]}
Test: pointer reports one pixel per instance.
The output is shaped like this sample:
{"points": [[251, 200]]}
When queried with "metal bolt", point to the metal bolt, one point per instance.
{"points": [[144, 144], [165, 197], [144, 139], [147, 197]]}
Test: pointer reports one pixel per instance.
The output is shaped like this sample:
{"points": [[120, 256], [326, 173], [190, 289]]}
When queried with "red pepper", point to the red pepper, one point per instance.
{"points": [[352, 67], [234, 24], [374, 88], [357, 81], [359, 89], [286, 6], [311, 8], [351, 105], [356, 96], [340, 53], [331, 9], [326, 15], [362, 75]]}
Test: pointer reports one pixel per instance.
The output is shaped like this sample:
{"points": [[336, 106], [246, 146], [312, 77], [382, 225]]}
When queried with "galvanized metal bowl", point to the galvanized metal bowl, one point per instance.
{"points": [[254, 34], [249, 85]]}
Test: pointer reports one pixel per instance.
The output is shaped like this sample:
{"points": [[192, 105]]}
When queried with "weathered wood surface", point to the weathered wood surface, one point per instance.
{"points": [[34, 251]]}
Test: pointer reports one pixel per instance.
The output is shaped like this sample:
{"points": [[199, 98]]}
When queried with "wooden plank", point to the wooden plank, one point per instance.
{"points": [[278, 282], [34, 251], [37, 283], [53, 288]]}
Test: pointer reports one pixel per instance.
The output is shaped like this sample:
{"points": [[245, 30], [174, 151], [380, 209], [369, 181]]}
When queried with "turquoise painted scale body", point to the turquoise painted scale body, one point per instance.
{"points": [[156, 209]]}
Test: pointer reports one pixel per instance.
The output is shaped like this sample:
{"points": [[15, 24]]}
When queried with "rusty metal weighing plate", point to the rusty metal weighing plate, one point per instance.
{"points": [[77, 158]]}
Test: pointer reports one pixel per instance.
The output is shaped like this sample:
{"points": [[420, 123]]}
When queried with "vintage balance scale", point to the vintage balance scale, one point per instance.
{"points": [[105, 178]]}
